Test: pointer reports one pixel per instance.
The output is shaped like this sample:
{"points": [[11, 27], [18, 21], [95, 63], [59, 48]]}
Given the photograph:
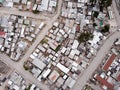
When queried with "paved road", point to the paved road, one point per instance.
{"points": [[18, 66], [96, 61]]}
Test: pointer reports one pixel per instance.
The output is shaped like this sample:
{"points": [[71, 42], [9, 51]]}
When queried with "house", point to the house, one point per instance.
{"points": [[1, 42], [8, 3], [75, 44], [60, 81], [4, 21], [46, 73], [70, 82], [44, 5], [105, 83], [38, 63], [96, 38], [2, 34], [54, 76], [63, 68], [16, 1], [24, 1], [109, 62], [118, 78]]}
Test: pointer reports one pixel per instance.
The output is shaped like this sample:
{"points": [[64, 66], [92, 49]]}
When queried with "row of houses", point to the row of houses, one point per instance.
{"points": [[40, 5], [16, 34], [60, 58], [109, 77], [17, 82]]}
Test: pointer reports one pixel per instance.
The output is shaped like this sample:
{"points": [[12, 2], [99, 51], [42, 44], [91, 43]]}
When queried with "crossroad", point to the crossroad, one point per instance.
{"points": [[18, 66]]}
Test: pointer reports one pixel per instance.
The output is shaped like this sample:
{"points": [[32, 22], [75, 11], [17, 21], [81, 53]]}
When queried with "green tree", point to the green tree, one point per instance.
{"points": [[94, 24], [96, 14], [105, 3], [85, 37], [105, 29]]}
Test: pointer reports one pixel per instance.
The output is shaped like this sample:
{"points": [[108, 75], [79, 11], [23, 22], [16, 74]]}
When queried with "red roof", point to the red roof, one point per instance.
{"points": [[109, 62], [78, 28], [118, 78], [2, 33], [104, 82]]}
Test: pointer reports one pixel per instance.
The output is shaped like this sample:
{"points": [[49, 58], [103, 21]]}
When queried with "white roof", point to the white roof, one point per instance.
{"points": [[32, 87], [16, 1], [24, 1], [75, 44], [82, 1], [16, 87], [62, 68], [63, 50], [10, 82], [72, 54], [38, 63], [9, 4], [53, 3], [46, 73], [96, 38], [56, 24], [44, 5], [70, 4], [70, 82]]}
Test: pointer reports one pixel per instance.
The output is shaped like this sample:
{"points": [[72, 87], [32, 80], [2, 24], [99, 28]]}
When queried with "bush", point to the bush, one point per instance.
{"points": [[44, 41], [35, 11], [25, 67], [58, 48], [28, 88]]}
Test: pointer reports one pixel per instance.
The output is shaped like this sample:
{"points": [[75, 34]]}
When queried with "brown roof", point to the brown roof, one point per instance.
{"points": [[104, 82], [118, 78], [109, 62], [2, 33]]}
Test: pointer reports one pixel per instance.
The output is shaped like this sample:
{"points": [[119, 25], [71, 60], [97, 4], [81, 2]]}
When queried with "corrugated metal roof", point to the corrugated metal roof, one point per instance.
{"points": [[109, 62], [2, 33], [118, 78], [104, 82]]}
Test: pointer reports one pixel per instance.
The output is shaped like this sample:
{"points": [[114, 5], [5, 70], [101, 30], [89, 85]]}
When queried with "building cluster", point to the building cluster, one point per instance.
{"points": [[60, 58], [16, 34], [17, 82], [45, 5], [108, 74], [39, 5]]}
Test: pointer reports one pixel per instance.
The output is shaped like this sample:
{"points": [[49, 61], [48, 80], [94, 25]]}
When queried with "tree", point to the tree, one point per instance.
{"points": [[105, 29], [85, 37], [96, 14], [94, 24], [105, 3]]}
